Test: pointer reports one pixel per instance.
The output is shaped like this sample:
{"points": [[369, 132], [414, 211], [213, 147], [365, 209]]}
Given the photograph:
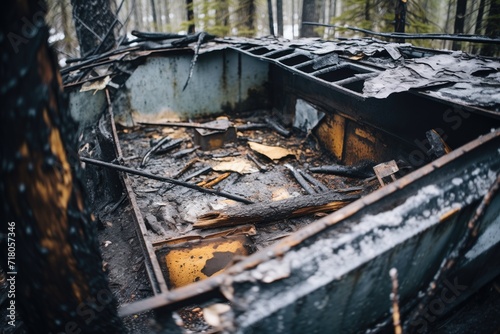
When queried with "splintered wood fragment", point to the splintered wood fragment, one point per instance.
{"points": [[260, 166], [213, 182], [300, 179], [153, 150], [185, 168], [277, 127], [273, 211]]}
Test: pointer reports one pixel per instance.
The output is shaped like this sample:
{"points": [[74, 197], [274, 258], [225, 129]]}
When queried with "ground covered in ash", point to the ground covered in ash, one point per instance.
{"points": [[123, 259]]}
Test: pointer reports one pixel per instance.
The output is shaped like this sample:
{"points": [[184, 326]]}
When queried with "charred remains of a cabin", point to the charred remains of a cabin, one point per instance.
{"points": [[235, 152]]}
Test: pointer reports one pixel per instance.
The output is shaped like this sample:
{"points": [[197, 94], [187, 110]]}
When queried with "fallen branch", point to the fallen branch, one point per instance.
{"points": [[164, 145], [300, 179], [363, 170], [272, 211], [164, 179]]}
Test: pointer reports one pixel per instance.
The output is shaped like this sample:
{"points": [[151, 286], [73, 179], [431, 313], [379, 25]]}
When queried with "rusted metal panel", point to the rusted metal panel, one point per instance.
{"points": [[193, 261], [225, 78], [332, 133]]}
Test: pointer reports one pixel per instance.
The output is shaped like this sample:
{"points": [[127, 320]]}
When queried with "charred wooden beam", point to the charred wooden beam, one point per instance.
{"points": [[273, 211], [363, 170], [259, 165], [314, 181], [186, 125], [214, 181], [300, 179], [277, 127], [165, 179], [163, 146], [185, 168], [185, 152], [251, 126], [153, 150]]}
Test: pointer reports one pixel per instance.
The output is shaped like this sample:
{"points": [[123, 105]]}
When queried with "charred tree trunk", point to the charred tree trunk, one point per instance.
{"points": [[279, 16], [190, 16], [273, 211], [309, 14], [492, 28], [459, 21], [94, 25], [59, 282]]}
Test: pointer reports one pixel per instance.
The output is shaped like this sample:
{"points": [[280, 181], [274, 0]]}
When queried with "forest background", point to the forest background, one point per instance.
{"points": [[255, 18]]}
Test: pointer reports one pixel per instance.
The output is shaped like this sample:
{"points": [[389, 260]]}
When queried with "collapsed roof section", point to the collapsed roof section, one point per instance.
{"points": [[364, 68]]}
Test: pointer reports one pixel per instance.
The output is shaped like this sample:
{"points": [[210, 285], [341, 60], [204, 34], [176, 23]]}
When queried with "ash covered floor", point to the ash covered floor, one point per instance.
{"points": [[170, 211]]}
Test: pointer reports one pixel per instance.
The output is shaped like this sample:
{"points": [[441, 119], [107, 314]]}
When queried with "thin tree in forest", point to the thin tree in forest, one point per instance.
{"points": [[492, 28], [155, 18], [400, 20], [309, 14], [246, 18], [478, 29], [459, 21], [270, 16], [60, 286], [222, 17], [190, 16], [279, 16], [94, 25]]}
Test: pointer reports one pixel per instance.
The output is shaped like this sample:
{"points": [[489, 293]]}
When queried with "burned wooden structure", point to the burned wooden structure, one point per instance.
{"points": [[427, 120]]}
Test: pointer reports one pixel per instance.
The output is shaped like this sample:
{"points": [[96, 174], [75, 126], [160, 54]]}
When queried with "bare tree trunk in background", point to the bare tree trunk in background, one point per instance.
{"points": [[167, 14], [93, 20], [459, 22], [279, 16], [293, 18], [333, 8], [246, 14], [137, 13], [205, 21], [222, 16], [367, 10], [400, 20], [310, 13], [270, 16], [492, 28], [68, 40], [60, 284], [155, 18], [448, 22], [190, 16], [479, 20], [479, 24], [333, 14]]}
